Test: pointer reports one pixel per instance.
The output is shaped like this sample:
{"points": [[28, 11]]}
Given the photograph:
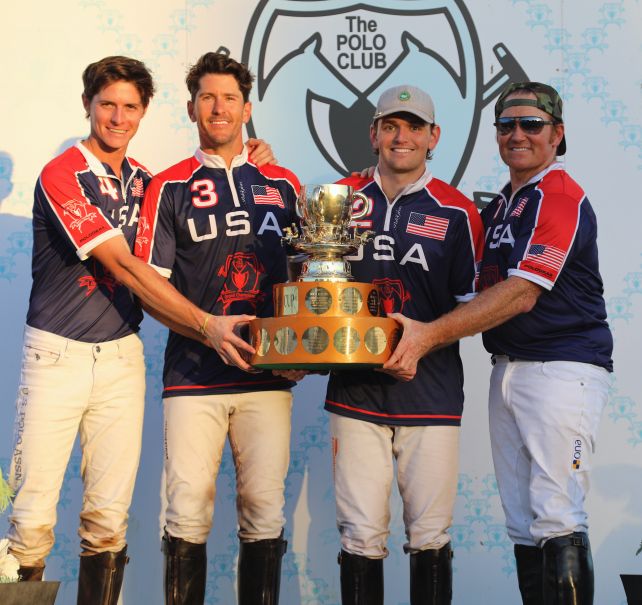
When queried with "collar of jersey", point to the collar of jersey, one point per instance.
{"points": [[538, 177], [216, 161], [96, 166], [418, 185]]}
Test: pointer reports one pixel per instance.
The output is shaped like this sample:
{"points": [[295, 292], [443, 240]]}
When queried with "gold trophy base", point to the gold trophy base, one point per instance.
{"points": [[305, 343], [323, 325]]}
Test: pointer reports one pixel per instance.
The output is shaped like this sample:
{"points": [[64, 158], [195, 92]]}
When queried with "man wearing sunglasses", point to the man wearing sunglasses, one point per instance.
{"points": [[543, 315]]}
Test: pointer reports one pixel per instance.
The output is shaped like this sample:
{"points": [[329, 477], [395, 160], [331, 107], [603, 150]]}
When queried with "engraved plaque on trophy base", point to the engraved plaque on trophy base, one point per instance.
{"points": [[321, 325]]}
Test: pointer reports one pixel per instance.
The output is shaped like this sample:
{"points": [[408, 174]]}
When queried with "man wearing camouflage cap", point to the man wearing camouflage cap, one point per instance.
{"points": [[542, 312]]}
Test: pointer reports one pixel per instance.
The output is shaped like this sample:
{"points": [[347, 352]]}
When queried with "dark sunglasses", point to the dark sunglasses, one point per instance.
{"points": [[528, 124]]}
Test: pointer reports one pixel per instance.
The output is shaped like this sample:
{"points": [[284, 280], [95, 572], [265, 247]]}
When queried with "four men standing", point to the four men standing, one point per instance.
{"points": [[212, 225]]}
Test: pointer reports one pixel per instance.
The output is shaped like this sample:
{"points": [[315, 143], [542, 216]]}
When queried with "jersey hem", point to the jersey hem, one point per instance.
{"points": [[343, 409], [227, 388]]}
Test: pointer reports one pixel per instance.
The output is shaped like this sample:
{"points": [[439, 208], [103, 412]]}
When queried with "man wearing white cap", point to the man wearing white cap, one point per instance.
{"points": [[428, 240]]}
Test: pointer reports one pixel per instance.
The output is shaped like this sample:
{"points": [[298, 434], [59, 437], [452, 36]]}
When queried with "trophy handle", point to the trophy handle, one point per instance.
{"points": [[289, 234], [364, 236], [362, 197]]}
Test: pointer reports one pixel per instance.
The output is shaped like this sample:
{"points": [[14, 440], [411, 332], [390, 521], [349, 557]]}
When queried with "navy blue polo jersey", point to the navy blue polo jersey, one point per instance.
{"points": [[546, 232], [424, 258], [216, 234], [78, 204]]}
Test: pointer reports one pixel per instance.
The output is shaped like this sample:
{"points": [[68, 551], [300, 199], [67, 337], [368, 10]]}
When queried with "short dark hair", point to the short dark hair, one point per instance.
{"points": [[219, 63], [116, 68]]}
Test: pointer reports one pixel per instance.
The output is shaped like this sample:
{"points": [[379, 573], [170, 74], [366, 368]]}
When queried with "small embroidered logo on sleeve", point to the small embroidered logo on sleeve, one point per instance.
{"points": [[80, 212], [142, 238], [549, 256]]}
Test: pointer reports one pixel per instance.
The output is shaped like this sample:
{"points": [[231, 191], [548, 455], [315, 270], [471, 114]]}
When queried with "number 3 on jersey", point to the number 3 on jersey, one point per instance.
{"points": [[207, 196]]}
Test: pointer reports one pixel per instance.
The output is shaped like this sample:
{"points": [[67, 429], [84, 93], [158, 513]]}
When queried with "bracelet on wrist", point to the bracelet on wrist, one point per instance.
{"points": [[201, 330]]}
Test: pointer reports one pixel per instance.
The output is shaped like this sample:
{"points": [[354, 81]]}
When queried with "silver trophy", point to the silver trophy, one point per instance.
{"points": [[326, 214], [324, 319]]}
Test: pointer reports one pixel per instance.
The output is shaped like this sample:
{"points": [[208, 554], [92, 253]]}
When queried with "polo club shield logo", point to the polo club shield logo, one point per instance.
{"points": [[321, 65]]}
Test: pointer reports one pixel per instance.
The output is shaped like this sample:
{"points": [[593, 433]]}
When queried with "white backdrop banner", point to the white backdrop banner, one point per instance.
{"points": [[320, 66]]}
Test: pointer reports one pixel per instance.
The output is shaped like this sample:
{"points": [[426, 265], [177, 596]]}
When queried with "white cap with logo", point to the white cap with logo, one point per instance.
{"points": [[408, 99]]}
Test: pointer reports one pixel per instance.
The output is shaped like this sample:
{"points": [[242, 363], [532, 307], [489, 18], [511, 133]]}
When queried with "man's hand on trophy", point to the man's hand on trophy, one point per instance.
{"points": [[295, 375], [260, 152], [222, 333], [414, 344]]}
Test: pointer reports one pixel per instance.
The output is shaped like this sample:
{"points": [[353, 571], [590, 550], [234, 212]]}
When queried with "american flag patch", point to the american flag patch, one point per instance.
{"points": [[427, 226], [549, 256], [137, 187], [264, 194], [520, 207]]}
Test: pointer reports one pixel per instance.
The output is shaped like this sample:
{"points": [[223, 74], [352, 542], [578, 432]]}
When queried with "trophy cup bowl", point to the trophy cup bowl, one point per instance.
{"points": [[324, 320]]}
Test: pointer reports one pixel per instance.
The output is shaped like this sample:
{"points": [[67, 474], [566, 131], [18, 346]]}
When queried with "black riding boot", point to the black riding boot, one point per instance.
{"points": [[529, 561], [31, 574], [361, 580], [259, 571], [100, 577], [185, 571], [431, 577], [568, 570]]}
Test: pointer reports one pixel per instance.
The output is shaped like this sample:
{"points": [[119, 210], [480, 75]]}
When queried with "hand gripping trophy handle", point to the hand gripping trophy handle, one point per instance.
{"points": [[325, 319]]}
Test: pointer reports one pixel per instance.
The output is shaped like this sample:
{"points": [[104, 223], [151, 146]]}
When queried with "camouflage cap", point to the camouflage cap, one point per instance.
{"points": [[548, 100]]}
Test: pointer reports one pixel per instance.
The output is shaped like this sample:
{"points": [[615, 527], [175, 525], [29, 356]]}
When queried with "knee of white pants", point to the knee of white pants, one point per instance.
{"points": [[427, 463], [363, 475]]}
